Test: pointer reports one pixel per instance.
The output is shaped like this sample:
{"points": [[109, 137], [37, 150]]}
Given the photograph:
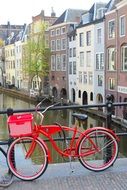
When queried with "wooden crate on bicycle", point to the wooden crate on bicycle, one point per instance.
{"points": [[20, 125]]}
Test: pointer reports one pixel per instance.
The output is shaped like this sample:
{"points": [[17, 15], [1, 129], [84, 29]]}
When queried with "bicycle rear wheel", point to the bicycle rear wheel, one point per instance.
{"points": [[98, 150], [23, 166]]}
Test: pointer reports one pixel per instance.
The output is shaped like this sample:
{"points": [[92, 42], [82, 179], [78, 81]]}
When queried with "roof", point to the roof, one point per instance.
{"points": [[70, 15], [16, 36]]}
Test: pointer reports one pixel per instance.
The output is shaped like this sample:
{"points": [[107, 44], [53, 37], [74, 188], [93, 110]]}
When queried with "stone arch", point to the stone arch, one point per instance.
{"points": [[73, 95], [54, 92], [84, 98], [63, 93]]}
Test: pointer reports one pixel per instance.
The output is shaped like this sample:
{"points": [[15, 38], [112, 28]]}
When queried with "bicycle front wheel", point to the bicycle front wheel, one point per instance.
{"points": [[24, 165], [98, 150]]}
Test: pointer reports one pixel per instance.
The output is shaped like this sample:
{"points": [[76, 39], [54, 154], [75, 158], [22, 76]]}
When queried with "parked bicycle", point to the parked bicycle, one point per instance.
{"points": [[6, 177], [28, 155]]}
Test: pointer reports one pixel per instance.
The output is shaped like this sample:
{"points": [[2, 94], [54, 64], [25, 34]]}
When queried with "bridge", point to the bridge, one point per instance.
{"points": [[61, 177]]}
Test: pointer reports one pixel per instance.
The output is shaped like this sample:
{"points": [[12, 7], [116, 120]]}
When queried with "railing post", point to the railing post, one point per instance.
{"points": [[109, 107], [9, 113]]}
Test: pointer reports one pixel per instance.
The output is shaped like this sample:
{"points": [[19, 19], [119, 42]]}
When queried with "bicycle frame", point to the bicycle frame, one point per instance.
{"points": [[71, 150]]}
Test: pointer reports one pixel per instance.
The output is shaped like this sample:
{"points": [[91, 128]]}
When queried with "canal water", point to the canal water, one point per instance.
{"points": [[63, 117]]}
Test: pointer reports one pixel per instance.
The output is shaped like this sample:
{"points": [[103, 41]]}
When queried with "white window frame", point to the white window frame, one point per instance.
{"points": [[81, 39], [99, 35], [57, 31], [63, 30], [122, 25], [63, 43], [88, 58], [88, 38], [53, 64], [53, 45], [111, 29], [81, 59], [123, 57], [111, 59], [52, 32], [58, 63], [58, 44], [63, 62], [111, 84]]}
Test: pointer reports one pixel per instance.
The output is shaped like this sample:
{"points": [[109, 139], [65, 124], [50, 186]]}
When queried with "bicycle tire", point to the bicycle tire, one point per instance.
{"points": [[29, 168], [105, 153], [4, 170]]}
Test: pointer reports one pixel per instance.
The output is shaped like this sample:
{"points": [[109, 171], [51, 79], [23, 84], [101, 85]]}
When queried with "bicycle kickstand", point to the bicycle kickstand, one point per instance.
{"points": [[71, 165]]}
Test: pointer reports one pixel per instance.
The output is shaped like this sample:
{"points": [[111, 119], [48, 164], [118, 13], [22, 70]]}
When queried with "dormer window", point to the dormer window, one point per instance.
{"points": [[101, 12]]}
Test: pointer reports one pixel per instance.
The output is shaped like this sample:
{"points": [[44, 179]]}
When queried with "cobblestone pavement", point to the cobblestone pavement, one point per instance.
{"points": [[60, 177]]}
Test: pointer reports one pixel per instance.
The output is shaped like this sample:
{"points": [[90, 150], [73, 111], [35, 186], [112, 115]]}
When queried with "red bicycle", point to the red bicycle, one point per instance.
{"points": [[28, 155]]}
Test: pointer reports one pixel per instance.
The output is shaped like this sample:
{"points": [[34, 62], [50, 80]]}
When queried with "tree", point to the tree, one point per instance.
{"points": [[36, 55]]}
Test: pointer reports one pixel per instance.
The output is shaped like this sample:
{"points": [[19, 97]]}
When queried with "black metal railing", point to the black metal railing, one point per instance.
{"points": [[109, 105]]}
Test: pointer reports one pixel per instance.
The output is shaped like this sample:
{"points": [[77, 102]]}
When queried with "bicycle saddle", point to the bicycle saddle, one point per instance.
{"points": [[79, 116]]}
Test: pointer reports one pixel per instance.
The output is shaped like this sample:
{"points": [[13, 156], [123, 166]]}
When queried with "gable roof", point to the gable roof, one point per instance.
{"points": [[69, 15]]}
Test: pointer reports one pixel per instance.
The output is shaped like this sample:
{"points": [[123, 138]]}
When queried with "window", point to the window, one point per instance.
{"points": [[88, 38], [111, 59], [53, 63], [111, 84], [85, 78], [100, 80], [81, 39], [99, 36], [74, 52], [52, 45], [52, 32], [58, 66], [63, 60], [122, 25], [90, 78], [124, 57], [58, 44], [80, 77], [70, 52], [70, 68], [63, 44], [111, 29], [91, 96], [100, 61], [88, 58], [74, 67], [63, 30], [57, 31], [81, 59], [79, 93]]}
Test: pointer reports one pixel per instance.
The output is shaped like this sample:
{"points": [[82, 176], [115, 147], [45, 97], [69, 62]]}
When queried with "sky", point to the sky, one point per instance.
{"points": [[20, 12]]}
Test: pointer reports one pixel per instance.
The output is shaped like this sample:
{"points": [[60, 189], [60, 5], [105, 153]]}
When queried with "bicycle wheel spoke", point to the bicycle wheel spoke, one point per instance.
{"points": [[98, 150], [23, 166]]}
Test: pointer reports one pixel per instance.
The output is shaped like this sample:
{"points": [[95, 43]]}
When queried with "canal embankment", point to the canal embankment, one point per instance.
{"points": [[24, 95]]}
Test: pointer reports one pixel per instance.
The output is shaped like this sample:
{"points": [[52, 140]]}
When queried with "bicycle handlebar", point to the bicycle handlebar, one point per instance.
{"points": [[41, 113]]}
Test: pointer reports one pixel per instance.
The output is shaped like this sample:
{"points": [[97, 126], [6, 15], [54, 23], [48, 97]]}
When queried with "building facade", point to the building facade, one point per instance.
{"points": [[116, 55], [59, 52]]}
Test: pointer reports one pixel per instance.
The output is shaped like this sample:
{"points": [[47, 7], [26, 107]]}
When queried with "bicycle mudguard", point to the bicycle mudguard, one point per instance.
{"points": [[104, 129], [47, 150], [94, 129]]}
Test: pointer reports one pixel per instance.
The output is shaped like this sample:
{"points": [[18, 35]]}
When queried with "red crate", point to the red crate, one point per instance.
{"points": [[20, 124]]}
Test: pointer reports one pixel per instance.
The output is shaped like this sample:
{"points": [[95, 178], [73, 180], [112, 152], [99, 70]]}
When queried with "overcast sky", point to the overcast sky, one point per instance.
{"points": [[20, 12]]}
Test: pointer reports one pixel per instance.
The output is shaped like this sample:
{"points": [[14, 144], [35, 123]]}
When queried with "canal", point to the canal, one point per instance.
{"points": [[63, 117]]}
